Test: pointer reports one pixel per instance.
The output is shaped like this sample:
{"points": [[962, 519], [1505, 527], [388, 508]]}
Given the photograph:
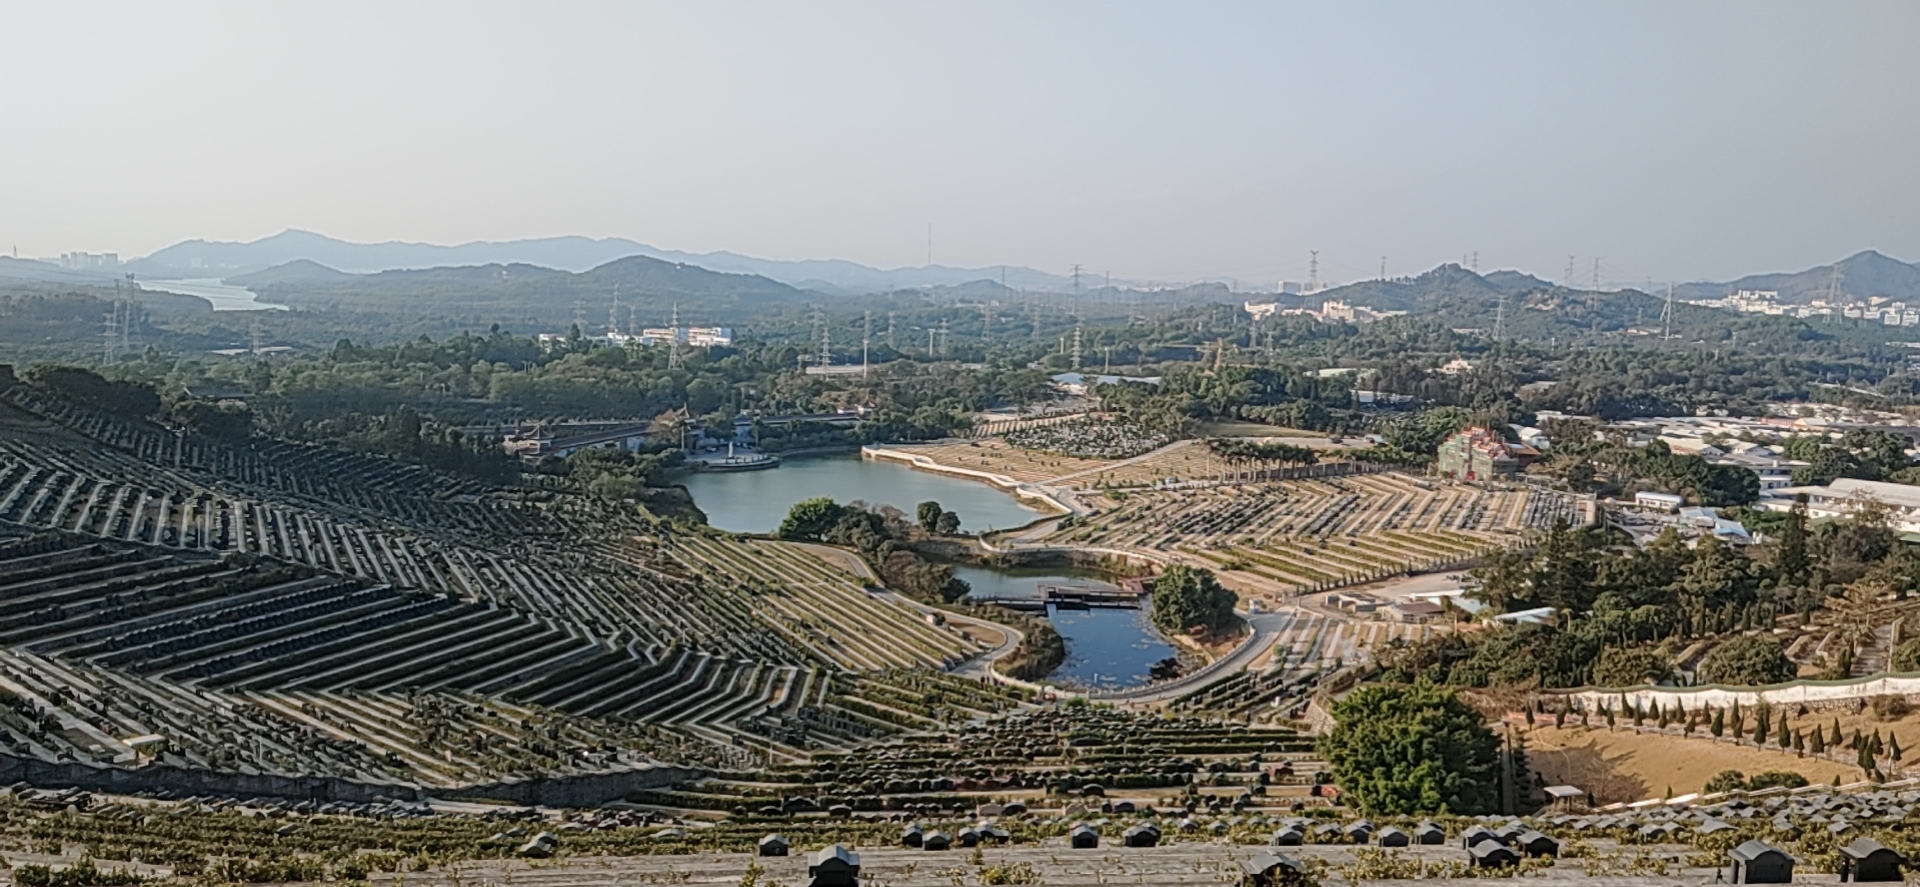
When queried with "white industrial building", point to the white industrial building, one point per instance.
{"points": [[1848, 495]]}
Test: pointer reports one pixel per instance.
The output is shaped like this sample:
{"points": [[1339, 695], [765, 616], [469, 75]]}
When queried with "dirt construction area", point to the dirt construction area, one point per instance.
{"points": [[1621, 765]]}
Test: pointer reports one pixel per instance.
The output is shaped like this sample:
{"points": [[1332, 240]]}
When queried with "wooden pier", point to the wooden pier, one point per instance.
{"points": [[1069, 596]]}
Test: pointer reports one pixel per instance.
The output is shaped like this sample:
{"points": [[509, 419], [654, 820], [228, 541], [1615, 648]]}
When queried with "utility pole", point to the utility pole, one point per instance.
{"points": [[1383, 267], [826, 346], [1313, 272], [890, 341], [673, 339], [866, 339], [1500, 318], [1476, 261], [1076, 293], [613, 315], [111, 336], [943, 337], [1666, 315], [1569, 272]]}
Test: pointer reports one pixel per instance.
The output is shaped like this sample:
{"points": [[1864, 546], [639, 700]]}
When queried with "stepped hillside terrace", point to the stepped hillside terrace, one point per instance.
{"points": [[1167, 800], [1292, 536], [1276, 531], [168, 599]]}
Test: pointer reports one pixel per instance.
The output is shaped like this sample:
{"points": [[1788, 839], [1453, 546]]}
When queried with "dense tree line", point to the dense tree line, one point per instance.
{"points": [[1618, 608], [881, 536]]}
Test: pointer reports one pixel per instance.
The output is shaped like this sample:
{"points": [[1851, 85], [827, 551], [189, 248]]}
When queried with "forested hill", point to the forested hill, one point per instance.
{"points": [[1862, 275], [648, 290], [296, 271], [1527, 308]]}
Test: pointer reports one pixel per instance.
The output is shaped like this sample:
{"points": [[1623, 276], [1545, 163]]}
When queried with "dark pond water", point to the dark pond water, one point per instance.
{"points": [[1106, 649]]}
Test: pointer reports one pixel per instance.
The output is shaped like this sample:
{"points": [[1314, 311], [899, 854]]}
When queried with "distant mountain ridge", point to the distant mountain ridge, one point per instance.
{"points": [[637, 290], [203, 258], [1863, 274]]}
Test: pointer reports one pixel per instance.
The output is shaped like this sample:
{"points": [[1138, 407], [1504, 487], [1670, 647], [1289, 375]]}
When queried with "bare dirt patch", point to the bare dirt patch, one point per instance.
{"points": [[1621, 765]]}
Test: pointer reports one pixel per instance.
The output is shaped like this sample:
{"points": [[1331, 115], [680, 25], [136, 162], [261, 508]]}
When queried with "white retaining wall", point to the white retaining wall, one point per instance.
{"points": [[1810, 693]]}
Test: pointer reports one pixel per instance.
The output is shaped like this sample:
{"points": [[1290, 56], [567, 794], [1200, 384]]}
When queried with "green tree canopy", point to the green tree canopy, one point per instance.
{"points": [[810, 519], [1412, 749], [1748, 660], [1624, 667], [927, 514], [1185, 597], [1726, 781]]}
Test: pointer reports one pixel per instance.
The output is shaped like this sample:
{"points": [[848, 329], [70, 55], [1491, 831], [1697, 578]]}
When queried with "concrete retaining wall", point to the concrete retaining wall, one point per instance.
{"points": [[1812, 694], [998, 481]]}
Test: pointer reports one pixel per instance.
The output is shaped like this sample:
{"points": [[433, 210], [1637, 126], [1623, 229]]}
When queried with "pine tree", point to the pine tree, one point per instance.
{"points": [[1893, 746], [1835, 740], [1718, 726], [1800, 743], [1783, 739], [1818, 743]]}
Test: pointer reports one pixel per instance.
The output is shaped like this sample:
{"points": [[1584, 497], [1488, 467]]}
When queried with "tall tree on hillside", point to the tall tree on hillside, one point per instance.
{"points": [[1412, 749], [1790, 565]]}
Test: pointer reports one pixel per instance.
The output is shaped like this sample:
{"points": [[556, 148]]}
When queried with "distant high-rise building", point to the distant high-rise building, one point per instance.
{"points": [[79, 261]]}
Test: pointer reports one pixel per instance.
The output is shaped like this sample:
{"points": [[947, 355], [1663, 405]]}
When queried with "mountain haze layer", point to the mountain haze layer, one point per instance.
{"points": [[203, 258]]}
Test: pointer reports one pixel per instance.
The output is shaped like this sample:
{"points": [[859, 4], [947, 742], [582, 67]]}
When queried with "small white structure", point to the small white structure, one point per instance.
{"points": [[1666, 502]]}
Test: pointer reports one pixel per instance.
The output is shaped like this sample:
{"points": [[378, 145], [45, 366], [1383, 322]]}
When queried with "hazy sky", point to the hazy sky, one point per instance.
{"points": [[1168, 141]]}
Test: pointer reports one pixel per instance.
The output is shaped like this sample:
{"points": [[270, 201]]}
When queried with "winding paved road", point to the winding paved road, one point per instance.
{"points": [[1267, 628]]}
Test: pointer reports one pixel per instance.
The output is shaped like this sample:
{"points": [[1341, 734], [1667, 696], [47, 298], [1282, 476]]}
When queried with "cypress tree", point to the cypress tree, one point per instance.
{"points": [[1818, 743], [1718, 726]]}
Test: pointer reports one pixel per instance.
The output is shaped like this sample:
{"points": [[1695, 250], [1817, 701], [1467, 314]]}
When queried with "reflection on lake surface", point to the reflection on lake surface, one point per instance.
{"points": [[1106, 648], [756, 501], [222, 296]]}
